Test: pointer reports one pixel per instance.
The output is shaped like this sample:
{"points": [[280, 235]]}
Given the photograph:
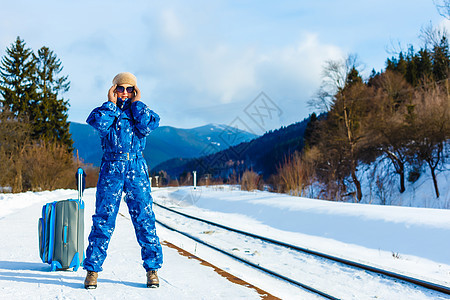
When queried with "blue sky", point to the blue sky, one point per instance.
{"points": [[200, 62]]}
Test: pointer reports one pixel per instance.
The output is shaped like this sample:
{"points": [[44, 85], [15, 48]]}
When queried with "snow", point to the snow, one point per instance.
{"points": [[418, 194], [24, 276], [371, 234], [410, 240], [13, 202]]}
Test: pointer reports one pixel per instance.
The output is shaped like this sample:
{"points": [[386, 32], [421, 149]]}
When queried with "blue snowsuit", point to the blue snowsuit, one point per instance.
{"points": [[123, 128]]}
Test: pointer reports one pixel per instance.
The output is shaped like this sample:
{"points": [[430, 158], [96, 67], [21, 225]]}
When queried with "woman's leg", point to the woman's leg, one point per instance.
{"points": [[108, 196], [139, 201]]}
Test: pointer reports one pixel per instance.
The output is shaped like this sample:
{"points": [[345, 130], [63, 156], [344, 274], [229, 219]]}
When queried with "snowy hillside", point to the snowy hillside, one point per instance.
{"points": [[380, 185]]}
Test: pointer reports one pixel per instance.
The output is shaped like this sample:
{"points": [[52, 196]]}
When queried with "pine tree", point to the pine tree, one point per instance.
{"points": [[353, 78], [35, 140], [441, 60], [411, 67], [17, 85], [311, 127], [398, 65], [425, 65], [51, 112], [30, 86], [402, 64]]}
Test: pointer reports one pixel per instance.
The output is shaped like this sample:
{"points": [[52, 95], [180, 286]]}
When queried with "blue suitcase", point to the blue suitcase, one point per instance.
{"points": [[61, 231]]}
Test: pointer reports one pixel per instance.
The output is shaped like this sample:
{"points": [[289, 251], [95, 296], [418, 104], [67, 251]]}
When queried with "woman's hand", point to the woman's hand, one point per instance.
{"points": [[137, 95], [112, 96]]}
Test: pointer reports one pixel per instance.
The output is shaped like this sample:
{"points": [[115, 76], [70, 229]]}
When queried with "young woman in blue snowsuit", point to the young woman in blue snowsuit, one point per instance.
{"points": [[123, 123]]}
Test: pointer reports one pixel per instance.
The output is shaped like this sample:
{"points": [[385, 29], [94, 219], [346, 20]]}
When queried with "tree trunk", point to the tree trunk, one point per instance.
{"points": [[357, 184], [18, 181], [399, 166], [402, 177], [433, 174], [352, 153]]}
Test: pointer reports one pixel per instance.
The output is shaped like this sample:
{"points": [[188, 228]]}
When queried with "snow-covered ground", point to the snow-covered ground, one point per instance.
{"points": [[24, 276], [407, 239], [381, 185], [413, 241]]}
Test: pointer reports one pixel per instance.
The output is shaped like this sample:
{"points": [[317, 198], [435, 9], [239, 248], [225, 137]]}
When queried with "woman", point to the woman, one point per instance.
{"points": [[123, 122]]}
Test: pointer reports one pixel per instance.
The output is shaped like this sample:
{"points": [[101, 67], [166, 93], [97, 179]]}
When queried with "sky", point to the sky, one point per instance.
{"points": [[249, 64]]}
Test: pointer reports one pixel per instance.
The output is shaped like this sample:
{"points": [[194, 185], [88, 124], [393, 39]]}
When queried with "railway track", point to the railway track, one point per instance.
{"points": [[336, 260]]}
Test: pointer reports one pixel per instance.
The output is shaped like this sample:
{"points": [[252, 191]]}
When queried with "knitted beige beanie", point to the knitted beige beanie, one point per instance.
{"points": [[125, 78]]}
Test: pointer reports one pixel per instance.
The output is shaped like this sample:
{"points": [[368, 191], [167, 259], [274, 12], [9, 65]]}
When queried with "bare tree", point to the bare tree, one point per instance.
{"points": [[443, 7], [250, 181], [297, 172], [432, 36], [334, 77], [386, 123], [432, 129], [346, 98], [351, 108], [14, 137], [49, 166], [31, 165]]}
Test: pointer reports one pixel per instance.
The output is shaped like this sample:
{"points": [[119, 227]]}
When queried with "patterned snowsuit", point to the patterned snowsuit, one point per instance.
{"points": [[123, 128]]}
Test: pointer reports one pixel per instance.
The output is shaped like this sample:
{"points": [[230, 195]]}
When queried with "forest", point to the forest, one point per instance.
{"points": [[36, 150], [400, 115], [396, 118]]}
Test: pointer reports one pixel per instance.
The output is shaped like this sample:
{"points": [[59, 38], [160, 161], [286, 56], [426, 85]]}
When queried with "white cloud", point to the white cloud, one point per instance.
{"points": [[209, 81], [445, 23], [171, 25], [204, 61], [299, 65]]}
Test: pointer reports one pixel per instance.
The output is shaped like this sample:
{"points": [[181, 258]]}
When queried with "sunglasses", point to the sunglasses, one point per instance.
{"points": [[121, 89]]}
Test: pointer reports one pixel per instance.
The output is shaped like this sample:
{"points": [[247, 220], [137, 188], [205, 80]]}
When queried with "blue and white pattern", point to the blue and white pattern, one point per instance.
{"points": [[123, 169]]}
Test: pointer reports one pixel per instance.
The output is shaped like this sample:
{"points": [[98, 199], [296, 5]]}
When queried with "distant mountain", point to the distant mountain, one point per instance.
{"points": [[165, 142], [87, 142], [263, 154]]}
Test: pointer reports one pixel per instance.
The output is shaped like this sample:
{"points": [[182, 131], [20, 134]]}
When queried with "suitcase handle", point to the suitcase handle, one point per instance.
{"points": [[79, 175], [80, 172]]}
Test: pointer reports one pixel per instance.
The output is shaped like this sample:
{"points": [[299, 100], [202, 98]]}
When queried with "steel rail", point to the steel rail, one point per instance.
{"points": [[273, 273], [416, 281]]}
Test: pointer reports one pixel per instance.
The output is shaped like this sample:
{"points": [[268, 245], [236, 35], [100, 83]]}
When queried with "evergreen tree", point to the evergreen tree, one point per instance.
{"points": [[353, 78], [17, 85], [411, 67], [311, 127], [30, 86], [441, 60], [373, 78], [424, 65], [51, 112], [391, 64], [402, 64], [398, 65]]}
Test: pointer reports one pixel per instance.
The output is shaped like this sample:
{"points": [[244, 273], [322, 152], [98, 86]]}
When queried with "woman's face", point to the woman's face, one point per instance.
{"points": [[125, 94]]}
